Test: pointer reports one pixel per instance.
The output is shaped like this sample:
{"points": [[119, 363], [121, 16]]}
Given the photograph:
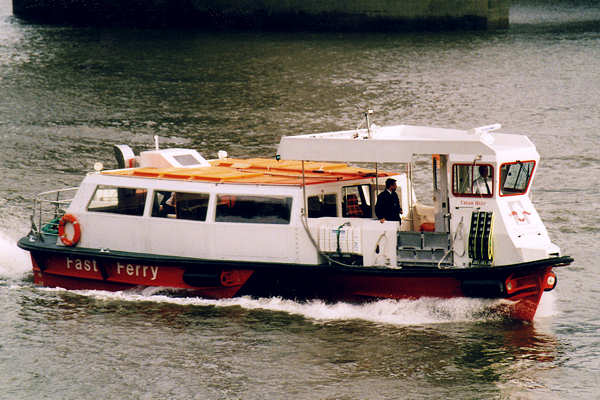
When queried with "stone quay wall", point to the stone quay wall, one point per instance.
{"points": [[283, 15]]}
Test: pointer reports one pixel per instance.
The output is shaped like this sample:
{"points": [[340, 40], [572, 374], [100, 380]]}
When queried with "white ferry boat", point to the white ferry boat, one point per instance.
{"points": [[307, 229]]}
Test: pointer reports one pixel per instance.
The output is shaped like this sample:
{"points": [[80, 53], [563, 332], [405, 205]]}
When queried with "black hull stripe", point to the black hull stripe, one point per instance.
{"points": [[38, 247]]}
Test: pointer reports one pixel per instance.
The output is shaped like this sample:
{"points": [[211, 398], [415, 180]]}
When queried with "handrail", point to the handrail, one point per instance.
{"points": [[48, 208]]}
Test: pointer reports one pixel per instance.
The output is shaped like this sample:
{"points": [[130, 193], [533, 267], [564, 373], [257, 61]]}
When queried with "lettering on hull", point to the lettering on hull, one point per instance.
{"points": [[137, 270], [123, 272], [82, 264], [99, 273]]}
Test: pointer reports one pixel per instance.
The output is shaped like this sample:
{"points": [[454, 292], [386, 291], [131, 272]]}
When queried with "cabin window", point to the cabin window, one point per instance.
{"points": [[180, 205], [322, 206], [118, 200], [473, 180], [356, 201], [253, 209], [515, 177]]}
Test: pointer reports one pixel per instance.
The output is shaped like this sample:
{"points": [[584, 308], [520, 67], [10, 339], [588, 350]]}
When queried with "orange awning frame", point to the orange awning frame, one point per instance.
{"points": [[258, 171]]}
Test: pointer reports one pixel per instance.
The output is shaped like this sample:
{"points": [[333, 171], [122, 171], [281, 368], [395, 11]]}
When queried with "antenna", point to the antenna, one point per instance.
{"points": [[367, 113], [484, 132], [484, 129]]}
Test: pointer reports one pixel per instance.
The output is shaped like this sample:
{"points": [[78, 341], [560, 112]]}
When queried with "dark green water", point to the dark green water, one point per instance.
{"points": [[68, 94]]}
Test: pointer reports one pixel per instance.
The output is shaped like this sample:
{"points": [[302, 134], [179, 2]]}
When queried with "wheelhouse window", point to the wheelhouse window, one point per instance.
{"points": [[322, 206], [473, 180], [253, 209], [515, 177], [180, 205], [118, 200], [356, 201]]}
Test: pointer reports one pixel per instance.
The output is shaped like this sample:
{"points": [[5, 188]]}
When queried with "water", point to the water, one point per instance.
{"points": [[69, 94]]}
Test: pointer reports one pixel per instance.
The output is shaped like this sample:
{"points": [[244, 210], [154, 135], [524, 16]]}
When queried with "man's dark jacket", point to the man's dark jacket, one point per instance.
{"points": [[388, 206]]}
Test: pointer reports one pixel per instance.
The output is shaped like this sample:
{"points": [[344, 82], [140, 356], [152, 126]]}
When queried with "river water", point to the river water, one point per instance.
{"points": [[68, 94]]}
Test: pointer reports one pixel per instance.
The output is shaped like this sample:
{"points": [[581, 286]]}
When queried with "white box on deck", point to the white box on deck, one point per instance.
{"points": [[349, 239], [172, 158]]}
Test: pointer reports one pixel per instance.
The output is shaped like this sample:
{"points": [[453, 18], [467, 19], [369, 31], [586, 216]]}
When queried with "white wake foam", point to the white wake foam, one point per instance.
{"points": [[14, 262], [547, 306], [393, 312]]}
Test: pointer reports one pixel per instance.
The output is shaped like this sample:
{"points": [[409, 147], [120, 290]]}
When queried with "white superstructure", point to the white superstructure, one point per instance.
{"points": [[518, 232], [314, 211]]}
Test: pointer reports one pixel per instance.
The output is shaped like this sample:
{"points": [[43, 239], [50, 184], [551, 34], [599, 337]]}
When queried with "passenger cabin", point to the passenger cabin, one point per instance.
{"points": [[233, 209]]}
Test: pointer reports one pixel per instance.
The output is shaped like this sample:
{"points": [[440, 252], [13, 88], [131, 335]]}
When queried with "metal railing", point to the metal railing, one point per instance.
{"points": [[48, 208]]}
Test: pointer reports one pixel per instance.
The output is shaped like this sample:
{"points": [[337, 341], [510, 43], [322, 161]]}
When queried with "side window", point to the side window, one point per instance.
{"points": [[118, 200], [180, 205], [356, 201], [473, 180], [253, 209], [322, 206], [515, 177]]}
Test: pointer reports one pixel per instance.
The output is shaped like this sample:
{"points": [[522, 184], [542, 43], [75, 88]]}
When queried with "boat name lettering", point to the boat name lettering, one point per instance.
{"points": [[79, 264], [138, 270], [472, 203]]}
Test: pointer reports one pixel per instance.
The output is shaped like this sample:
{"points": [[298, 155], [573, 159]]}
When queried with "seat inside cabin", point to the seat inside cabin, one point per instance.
{"points": [[353, 209]]}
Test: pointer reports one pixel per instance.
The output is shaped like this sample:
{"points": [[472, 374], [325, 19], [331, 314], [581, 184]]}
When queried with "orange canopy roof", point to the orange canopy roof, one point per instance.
{"points": [[256, 171]]}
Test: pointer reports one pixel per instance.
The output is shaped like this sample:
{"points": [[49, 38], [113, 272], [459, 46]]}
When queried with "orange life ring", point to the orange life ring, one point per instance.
{"points": [[76, 230]]}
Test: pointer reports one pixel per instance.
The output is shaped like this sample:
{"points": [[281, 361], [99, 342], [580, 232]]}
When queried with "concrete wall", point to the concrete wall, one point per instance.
{"points": [[273, 14]]}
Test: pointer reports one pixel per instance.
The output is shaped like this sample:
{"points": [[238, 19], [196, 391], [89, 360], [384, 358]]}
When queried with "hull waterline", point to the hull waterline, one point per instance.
{"points": [[75, 268]]}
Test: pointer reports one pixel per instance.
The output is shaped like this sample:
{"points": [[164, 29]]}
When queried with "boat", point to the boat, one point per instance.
{"points": [[302, 224]]}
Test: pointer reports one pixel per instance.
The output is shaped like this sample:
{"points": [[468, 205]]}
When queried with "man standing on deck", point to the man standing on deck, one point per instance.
{"points": [[388, 205]]}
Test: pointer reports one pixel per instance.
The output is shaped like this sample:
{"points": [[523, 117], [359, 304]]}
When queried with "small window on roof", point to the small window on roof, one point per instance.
{"points": [[253, 209], [118, 200], [186, 160], [473, 180]]}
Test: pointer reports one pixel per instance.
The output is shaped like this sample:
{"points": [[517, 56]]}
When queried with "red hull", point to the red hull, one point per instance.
{"points": [[525, 292], [99, 274], [75, 272]]}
